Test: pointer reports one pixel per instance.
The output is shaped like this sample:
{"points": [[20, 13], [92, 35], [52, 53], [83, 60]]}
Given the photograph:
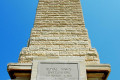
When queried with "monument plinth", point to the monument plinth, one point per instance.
{"points": [[59, 35]]}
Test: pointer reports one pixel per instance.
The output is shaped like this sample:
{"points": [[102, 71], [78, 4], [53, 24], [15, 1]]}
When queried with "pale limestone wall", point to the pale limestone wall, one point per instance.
{"points": [[59, 30]]}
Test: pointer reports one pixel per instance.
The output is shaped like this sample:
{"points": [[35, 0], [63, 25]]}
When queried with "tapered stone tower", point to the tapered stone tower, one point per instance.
{"points": [[59, 33]]}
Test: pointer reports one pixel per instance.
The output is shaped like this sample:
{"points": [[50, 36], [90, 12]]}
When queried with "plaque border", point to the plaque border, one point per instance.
{"points": [[80, 61], [51, 62]]}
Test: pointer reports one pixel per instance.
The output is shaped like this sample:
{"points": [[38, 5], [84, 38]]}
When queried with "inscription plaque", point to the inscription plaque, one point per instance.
{"points": [[58, 71]]}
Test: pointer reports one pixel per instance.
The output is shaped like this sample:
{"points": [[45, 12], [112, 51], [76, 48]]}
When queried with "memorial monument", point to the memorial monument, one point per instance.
{"points": [[59, 47]]}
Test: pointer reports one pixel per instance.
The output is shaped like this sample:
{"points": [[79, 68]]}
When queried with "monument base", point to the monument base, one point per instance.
{"points": [[32, 71], [21, 70]]}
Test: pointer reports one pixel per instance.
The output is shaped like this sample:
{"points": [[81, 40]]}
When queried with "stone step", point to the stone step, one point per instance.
{"points": [[80, 26], [57, 6], [57, 53], [64, 9], [60, 28], [60, 32], [57, 49], [69, 16], [58, 39], [53, 12], [60, 4], [57, 35], [54, 53], [76, 21], [39, 25], [57, 13], [59, 42], [53, 47], [57, 46], [43, 34], [32, 50]]}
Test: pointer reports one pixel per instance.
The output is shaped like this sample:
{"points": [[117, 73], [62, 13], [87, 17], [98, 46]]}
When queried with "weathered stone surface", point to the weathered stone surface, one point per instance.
{"points": [[59, 30]]}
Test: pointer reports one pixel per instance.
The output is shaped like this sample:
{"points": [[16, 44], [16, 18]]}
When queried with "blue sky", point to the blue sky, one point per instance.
{"points": [[102, 19]]}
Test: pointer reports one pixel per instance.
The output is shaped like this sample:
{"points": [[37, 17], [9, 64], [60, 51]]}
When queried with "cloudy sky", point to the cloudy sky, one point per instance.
{"points": [[102, 20]]}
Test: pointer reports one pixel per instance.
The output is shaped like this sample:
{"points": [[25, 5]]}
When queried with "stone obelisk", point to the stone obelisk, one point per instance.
{"points": [[59, 33]]}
